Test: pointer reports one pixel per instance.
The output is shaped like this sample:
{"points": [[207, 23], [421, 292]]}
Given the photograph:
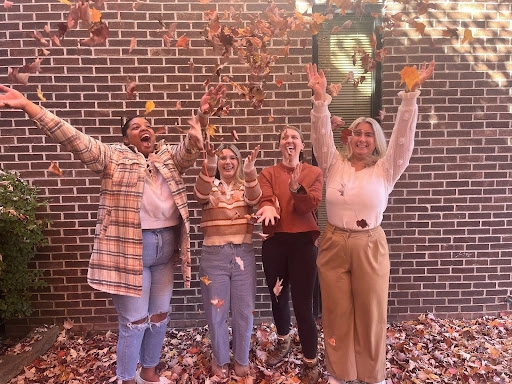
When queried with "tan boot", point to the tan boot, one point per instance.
{"points": [[241, 370], [310, 373], [280, 351], [220, 371]]}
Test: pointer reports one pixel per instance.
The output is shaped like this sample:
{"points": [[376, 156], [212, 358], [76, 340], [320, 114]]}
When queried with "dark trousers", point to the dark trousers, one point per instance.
{"points": [[291, 257]]}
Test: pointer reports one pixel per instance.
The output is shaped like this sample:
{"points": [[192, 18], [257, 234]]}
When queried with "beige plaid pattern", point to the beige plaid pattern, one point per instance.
{"points": [[116, 261]]}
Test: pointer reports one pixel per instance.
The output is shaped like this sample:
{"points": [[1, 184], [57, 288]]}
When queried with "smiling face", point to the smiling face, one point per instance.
{"points": [[291, 144], [362, 141], [228, 165], [141, 135]]}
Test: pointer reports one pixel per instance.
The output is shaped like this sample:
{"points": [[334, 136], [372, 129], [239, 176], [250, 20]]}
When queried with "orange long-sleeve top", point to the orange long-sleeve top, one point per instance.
{"points": [[297, 210]]}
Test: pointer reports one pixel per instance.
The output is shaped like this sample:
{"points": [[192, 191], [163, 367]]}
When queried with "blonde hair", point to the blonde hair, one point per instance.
{"points": [[380, 140], [239, 174]]}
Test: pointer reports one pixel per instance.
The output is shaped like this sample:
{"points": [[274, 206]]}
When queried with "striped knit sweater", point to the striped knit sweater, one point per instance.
{"points": [[226, 209]]}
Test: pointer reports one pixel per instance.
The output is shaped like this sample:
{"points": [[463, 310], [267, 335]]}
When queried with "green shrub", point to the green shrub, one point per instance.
{"points": [[20, 235]]}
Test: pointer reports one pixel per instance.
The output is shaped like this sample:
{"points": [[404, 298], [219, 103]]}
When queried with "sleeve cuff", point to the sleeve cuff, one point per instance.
{"points": [[320, 106], [409, 98]]}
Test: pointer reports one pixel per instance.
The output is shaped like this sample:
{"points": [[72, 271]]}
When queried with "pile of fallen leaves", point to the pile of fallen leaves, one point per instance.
{"points": [[425, 350]]}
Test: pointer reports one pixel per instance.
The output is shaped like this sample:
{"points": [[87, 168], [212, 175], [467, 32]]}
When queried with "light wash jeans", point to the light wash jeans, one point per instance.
{"points": [[143, 342], [232, 286]]}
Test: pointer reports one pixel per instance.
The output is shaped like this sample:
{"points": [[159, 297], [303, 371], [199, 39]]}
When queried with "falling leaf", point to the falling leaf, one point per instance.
{"points": [[235, 135], [8, 4], [381, 115], [95, 15], [45, 52], [362, 223], [68, 324], [450, 32], [133, 44], [334, 89], [40, 95], [278, 287], [130, 88], [54, 168], [240, 262], [15, 77], [420, 28], [345, 134], [178, 105], [279, 82], [336, 122], [205, 280], [150, 105], [409, 76], [210, 130], [39, 37], [67, 2], [183, 42], [468, 36], [217, 303], [270, 118]]}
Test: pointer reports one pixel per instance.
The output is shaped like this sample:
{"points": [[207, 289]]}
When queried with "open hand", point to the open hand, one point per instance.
{"points": [[11, 98], [212, 99], [268, 215], [424, 74], [316, 80], [251, 158]]}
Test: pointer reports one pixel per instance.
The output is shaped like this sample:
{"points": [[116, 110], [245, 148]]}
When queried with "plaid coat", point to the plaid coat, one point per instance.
{"points": [[116, 261]]}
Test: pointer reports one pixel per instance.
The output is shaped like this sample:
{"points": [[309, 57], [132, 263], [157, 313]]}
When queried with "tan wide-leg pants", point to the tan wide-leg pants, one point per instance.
{"points": [[353, 268]]}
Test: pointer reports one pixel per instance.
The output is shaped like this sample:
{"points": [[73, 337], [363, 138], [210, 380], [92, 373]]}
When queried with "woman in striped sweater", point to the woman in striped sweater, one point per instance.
{"points": [[228, 268]]}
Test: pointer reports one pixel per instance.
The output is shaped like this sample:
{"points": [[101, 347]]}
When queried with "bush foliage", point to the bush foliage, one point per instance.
{"points": [[20, 235]]}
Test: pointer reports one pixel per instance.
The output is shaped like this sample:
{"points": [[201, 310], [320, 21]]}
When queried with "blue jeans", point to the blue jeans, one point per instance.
{"points": [[231, 286], [143, 341]]}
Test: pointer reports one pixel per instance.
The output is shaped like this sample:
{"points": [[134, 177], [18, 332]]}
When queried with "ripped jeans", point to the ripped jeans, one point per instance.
{"points": [[140, 338]]}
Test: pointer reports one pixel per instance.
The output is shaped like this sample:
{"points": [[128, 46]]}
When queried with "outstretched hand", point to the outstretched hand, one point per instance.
{"points": [[212, 99], [11, 98], [316, 81], [251, 158], [424, 74]]}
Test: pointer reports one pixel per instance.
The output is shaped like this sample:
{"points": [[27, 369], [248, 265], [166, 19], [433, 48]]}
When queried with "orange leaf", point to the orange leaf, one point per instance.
{"points": [[279, 82], [95, 15], [217, 302], [409, 76], [420, 28], [40, 94], [150, 105], [133, 44], [183, 42], [205, 280], [54, 168], [468, 36]]}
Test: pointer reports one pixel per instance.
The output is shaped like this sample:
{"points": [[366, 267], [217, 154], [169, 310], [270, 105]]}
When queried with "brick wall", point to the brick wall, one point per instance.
{"points": [[448, 221]]}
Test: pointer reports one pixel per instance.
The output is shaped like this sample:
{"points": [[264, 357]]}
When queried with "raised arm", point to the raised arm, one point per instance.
{"points": [[252, 186], [322, 137], [204, 181]]}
